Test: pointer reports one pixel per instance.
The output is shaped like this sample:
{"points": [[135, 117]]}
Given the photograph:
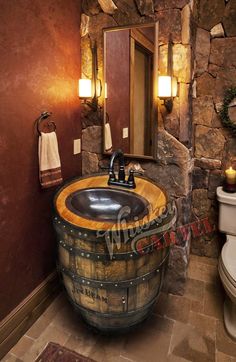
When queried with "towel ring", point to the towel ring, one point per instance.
{"points": [[42, 117]]}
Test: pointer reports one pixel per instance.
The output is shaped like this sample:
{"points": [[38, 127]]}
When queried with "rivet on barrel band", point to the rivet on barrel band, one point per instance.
{"points": [[94, 256], [110, 285], [108, 297]]}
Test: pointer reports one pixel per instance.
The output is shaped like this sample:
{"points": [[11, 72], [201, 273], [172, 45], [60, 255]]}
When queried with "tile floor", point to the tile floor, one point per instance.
{"points": [[181, 328]]}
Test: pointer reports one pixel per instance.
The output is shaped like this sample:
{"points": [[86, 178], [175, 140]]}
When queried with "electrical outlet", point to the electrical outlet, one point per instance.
{"points": [[125, 132], [77, 146]]}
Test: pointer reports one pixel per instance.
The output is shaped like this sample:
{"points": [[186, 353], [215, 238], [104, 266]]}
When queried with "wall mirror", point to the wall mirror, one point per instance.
{"points": [[130, 90]]}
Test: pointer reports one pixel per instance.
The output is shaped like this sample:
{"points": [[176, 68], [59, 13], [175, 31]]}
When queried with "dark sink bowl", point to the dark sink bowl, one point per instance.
{"points": [[106, 204]]}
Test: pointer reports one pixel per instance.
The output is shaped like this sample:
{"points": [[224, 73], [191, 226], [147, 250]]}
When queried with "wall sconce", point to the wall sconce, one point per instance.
{"points": [[85, 88], [105, 90], [91, 88], [167, 84]]}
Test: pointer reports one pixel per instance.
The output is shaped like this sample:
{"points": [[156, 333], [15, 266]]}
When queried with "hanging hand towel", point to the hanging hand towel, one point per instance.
{"points": [[49, 160], [108, 138]]}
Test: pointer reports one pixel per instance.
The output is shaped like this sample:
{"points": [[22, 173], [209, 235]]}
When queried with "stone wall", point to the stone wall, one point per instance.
{"points": [[174, 140], [214, 147], [193, 148]]}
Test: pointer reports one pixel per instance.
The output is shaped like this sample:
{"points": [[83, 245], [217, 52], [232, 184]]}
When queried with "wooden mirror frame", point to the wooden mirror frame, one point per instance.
{"points": [[154, 111]]}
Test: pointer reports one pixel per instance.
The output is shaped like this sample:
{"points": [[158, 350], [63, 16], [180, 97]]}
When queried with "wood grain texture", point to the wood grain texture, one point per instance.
{"points": [[140, 38], [109, 308], [118, 291], [131, 92]]}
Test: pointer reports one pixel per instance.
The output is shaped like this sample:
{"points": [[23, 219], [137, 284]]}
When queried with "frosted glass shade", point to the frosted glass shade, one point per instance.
{"points": [[105, 90], [164, 86], [167, 86], [174, 87], [98, 88], [85, 88]]}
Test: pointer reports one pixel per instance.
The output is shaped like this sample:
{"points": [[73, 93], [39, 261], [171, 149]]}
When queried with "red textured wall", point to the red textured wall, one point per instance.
{"points": [[40, 65]]}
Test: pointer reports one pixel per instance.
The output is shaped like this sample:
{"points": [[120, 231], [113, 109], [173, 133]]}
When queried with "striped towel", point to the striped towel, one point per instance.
{"points": [[49, 160]]}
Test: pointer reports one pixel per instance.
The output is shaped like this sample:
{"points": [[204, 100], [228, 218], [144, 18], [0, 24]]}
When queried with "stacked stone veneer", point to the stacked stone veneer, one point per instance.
{"points": [[214, 147], [174, 138], [192, 146]]}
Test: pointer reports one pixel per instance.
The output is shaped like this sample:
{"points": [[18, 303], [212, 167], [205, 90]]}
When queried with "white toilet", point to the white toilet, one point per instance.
{"points": [[227, 261]]}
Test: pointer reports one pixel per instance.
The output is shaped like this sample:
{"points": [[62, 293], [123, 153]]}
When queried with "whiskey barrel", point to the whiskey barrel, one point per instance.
{"points": [[112, 273]]}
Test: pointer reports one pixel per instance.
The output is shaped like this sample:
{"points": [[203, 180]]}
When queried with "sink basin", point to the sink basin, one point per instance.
{"points": [[107, 204]]}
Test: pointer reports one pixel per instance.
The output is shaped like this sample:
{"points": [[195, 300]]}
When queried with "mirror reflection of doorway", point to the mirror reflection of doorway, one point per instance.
{"points": [[141, 102], [130, 78]]}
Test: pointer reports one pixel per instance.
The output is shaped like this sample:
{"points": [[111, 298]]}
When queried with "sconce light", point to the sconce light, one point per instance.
{"points": [[167, 84], [91, 88], [85, 88], [105, 90]]}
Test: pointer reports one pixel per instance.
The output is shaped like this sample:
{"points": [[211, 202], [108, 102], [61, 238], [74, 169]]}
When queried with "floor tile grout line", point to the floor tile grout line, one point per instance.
{"points": [[215, 342], [169, 349], [26, 335], [13, 354], [204, 299], [206, 315], [127, 359]]}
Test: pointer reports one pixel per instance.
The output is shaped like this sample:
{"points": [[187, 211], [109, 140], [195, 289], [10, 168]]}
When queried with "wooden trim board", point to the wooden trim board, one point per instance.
{"points": [[131, 92], [13, 327], [139, 37]]}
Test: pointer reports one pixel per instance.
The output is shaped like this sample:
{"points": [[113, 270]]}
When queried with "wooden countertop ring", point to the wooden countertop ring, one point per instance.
{"points": [[146, 188]]}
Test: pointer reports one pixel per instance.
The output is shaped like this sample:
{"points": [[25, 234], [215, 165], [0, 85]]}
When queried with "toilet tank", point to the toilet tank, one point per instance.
{"points": [[227, 211]]}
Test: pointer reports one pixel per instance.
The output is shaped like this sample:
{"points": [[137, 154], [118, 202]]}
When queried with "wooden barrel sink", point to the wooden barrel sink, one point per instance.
{"points": [[112, 269]]}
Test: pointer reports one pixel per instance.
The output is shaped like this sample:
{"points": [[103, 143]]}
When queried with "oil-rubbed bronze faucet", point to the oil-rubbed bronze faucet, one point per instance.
{"points": [[121, 181]]}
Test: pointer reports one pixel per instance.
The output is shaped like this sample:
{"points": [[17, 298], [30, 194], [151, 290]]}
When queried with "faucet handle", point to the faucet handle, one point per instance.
{"points": [[112, 176], [130, 180], [136, 172]]}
